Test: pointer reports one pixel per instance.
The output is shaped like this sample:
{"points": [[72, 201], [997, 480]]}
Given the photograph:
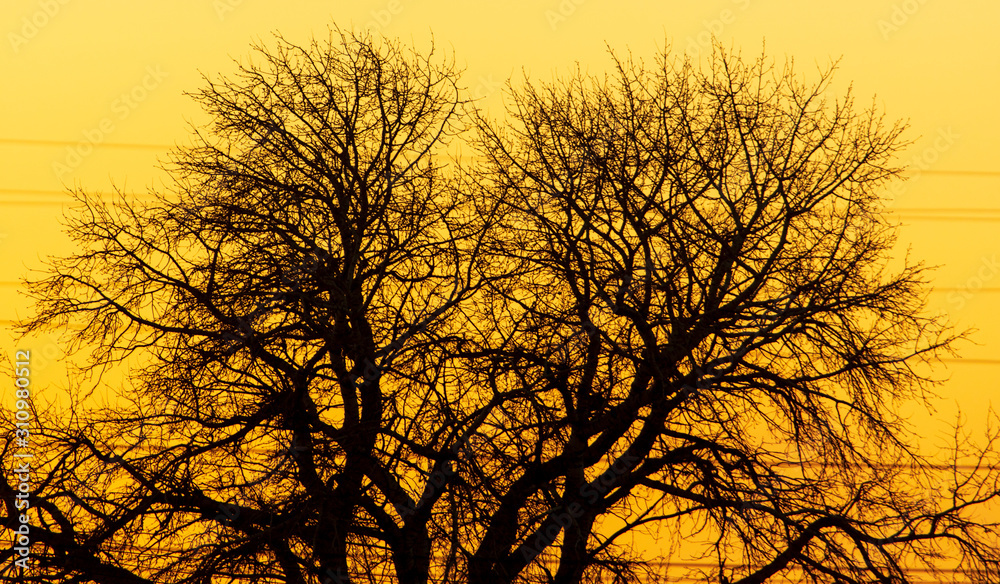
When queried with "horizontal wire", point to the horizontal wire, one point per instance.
{"points": [[953, 218], [278, 451], [936, 289], [141, 146], [61, 197], [119, 145], [662, 568]]}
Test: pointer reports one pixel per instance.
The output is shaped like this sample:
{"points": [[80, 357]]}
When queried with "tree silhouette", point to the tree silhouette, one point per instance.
{"points": [[655, 300]]}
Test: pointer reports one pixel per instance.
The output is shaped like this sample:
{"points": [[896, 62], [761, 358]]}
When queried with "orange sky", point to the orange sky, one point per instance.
{"points": [[114, 72]]}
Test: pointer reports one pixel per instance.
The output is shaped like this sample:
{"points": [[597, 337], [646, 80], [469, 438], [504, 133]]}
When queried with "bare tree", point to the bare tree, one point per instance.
{"points": [[703, 318], [658, 299], [312, 243]]}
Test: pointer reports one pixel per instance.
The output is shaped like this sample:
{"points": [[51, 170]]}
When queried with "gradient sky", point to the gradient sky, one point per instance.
{"points": [[115, 71]]}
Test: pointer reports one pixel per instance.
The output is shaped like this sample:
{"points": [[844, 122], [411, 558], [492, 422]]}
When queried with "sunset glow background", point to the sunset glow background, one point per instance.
{"points": [[114, 73]]}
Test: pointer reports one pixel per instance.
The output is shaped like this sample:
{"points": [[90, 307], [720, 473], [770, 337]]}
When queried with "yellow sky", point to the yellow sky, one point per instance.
{"points": [[114, 72]]}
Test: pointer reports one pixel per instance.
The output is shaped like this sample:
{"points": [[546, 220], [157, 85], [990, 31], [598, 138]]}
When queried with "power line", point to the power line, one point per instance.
{"points": [[946, 213], [118, 145], [53, 197], [661, 567], [988, 219], [928, 214], [138, 145], [962, 172], [142, 146], [945, 210], [973, 361], [65, 192]]}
